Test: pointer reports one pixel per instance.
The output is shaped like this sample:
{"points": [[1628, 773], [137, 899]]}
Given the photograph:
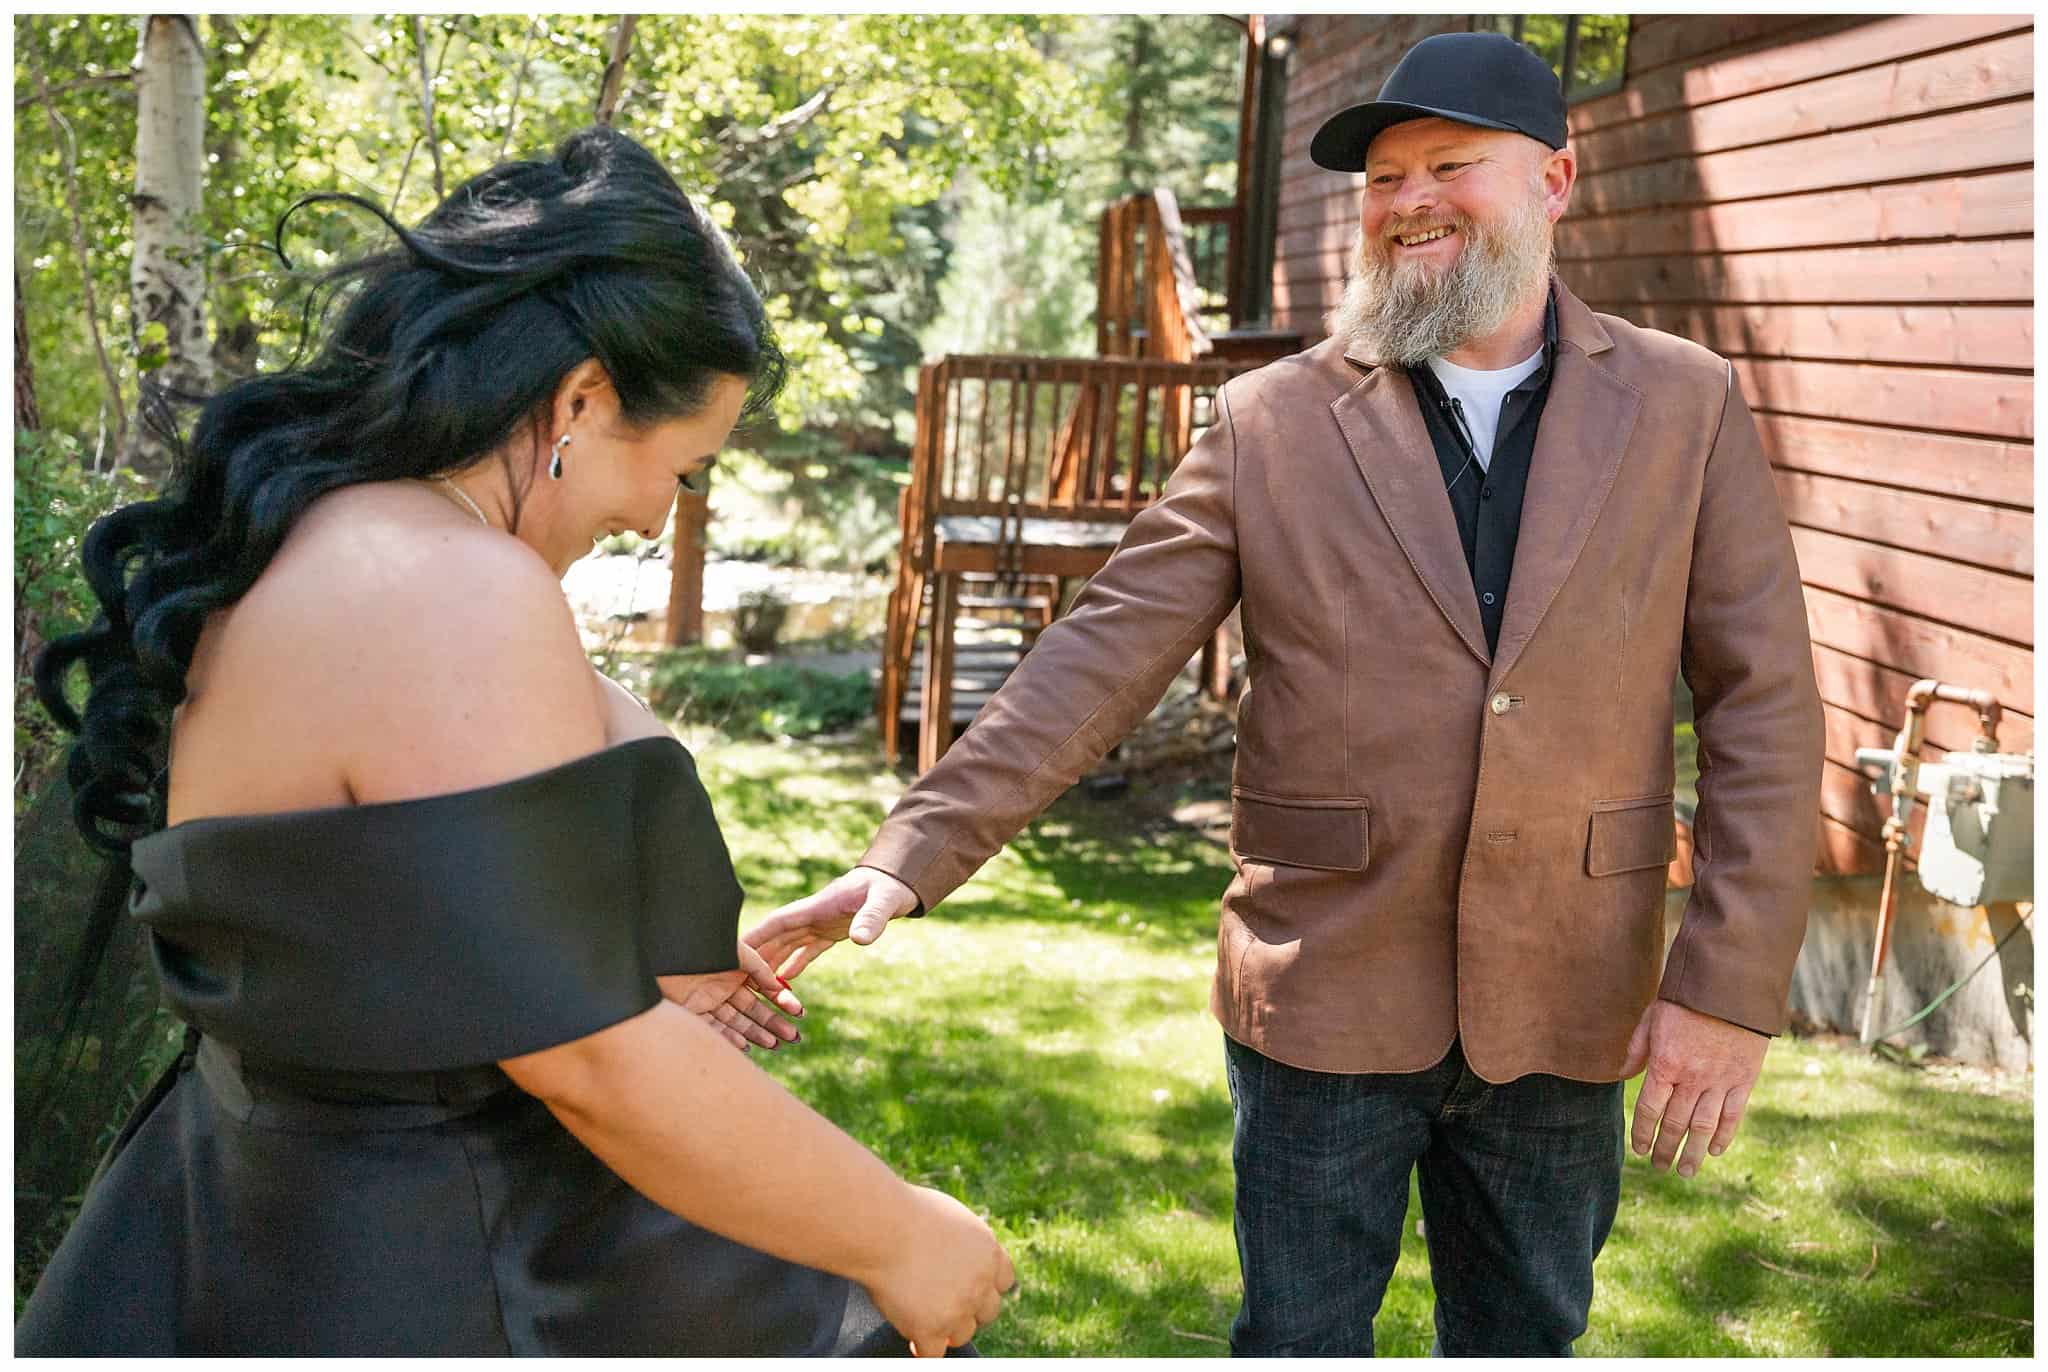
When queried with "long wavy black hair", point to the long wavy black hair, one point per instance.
{"points": [[441, 348]]}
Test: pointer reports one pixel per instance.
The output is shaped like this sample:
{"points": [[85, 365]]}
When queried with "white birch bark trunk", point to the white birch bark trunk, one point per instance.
{"points": [[167, 277]]}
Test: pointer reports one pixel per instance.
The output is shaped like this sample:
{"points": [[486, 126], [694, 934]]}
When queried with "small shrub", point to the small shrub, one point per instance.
{"points": [[771, 701], [758, 619]]}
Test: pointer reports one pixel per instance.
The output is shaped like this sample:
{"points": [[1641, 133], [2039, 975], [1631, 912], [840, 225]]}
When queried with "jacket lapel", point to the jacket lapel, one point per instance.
{"points": [[1585, 428], [1382, 424], [1587, 419]]}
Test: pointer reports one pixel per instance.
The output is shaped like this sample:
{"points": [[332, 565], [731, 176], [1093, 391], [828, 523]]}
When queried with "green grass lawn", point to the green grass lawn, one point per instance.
{"points": [[1042, 1048]]}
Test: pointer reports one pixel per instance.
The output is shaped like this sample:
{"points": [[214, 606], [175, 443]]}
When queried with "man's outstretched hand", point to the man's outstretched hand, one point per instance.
{"points": [[858, 905], [1700, 1071]]}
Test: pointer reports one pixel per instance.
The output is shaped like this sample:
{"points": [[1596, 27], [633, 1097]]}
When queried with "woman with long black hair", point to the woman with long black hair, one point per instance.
{"points": [[446, 912]]}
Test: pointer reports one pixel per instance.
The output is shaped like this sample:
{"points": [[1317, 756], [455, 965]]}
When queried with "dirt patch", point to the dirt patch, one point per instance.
{"points": [[1950, 1073]]}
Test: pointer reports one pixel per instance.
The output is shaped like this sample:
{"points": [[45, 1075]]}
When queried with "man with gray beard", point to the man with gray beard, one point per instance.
{"points": [[1475, 535]]}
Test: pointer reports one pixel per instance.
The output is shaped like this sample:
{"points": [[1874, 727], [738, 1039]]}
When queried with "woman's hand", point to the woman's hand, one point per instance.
{"points": [[729, 1003], [945, 1279], [858, 905]]}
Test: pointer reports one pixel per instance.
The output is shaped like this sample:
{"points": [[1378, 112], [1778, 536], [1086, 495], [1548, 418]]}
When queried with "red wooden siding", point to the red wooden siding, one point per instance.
{"points": [[1843, 205]]}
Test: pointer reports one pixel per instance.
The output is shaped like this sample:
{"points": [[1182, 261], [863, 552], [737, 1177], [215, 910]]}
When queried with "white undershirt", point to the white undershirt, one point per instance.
{"points": [[1480, 394]]}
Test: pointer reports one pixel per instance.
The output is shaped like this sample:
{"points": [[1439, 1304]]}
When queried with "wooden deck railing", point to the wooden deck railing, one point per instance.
{"points": [[1149, 300], [1065, 433], [1006, 440], [1213, 238]]}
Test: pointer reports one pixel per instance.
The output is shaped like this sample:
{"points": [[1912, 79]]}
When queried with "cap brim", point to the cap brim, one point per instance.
{"points": [[1341, 143]]}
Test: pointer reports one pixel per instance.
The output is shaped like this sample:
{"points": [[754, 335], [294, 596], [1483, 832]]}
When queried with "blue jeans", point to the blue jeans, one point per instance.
{"points": [[1519, 1187]]}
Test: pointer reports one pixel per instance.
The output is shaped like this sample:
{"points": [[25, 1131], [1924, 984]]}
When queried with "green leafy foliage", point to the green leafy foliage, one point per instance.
{"points": [[840, 152], [56, 500], [772, 700], [835, 513], [1157, 105], [822, 143]]}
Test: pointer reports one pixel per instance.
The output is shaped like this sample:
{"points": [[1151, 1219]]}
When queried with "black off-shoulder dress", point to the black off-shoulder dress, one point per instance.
{"points": [[335, 1166]]}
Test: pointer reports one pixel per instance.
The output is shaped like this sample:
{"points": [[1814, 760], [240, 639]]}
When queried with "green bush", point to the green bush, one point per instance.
{"points": [[55, 501], [772, 701]]}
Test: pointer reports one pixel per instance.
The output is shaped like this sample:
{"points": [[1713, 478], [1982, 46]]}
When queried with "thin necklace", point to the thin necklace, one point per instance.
{"points": [[463, 496]]}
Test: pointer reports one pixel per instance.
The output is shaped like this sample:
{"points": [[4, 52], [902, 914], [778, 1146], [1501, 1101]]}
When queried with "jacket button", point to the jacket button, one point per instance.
{"points": [[1499, 704]]}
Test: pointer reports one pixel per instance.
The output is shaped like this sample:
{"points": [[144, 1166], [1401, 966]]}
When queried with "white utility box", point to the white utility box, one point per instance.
{"points": [[1979, 844]]}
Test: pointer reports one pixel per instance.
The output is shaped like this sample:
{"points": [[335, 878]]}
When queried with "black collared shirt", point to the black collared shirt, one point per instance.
{"points": [[1487, 502]]}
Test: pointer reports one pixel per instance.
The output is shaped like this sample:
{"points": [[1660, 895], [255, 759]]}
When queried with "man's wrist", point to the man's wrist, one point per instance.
{"points": [[916, 911], [1723, 1019]]}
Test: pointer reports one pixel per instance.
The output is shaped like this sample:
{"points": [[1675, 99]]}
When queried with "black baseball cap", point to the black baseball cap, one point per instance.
{"points": [[1486, 79]]}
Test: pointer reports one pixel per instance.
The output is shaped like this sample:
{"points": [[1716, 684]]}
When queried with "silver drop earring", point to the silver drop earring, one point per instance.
{"points": [[555, 464]]}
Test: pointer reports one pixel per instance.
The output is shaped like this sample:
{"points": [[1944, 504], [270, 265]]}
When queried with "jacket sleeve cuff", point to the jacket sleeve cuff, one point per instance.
{"points": [[911, 858], [1692, 979]]}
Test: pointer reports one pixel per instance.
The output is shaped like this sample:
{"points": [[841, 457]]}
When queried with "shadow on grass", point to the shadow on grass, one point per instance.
{"points": [[1843, 1314], [797, 824], [1116, 1208], [1075, 1143], [1165, 875], [1865, 1222]]}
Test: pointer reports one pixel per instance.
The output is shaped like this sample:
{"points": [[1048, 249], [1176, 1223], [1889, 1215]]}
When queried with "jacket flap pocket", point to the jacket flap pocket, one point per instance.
{"points": [[1327, 834], [1629, 835]]}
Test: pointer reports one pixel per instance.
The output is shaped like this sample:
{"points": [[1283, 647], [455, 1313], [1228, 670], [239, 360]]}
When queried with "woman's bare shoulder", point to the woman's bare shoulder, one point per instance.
{"points": [[397, 540], [626, 716], [429, 653]]}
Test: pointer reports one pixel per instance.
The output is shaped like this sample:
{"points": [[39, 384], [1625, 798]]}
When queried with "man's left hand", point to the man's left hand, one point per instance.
{"points": [[1700, 1073]]}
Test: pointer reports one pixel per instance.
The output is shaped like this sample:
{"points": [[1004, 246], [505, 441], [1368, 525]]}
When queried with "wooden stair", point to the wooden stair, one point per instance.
{"points": [[996, 628], [978, 673], [1026, 471]]}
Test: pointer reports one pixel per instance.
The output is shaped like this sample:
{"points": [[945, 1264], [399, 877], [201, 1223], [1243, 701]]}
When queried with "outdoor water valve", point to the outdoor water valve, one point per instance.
{"points": [[1979, 843]]}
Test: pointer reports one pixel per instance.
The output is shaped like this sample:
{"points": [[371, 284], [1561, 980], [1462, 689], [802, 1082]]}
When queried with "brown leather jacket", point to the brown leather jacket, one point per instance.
{"points": [[1429, 842]]}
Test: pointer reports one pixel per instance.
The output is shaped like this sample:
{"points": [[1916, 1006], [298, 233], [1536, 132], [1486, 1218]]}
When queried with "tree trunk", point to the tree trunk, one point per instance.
{"points": [[26, 415], [167, 278], [433, 131], [236, 338], [615, 69], [1133, 157]]}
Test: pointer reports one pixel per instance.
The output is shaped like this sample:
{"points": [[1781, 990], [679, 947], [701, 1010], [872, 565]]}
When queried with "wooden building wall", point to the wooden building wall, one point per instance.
{"points": [[1844, 206], [1338, 60]]}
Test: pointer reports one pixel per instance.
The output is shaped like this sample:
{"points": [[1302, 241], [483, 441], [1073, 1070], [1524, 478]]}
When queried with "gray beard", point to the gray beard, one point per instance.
{"points": [[1403, 314]]}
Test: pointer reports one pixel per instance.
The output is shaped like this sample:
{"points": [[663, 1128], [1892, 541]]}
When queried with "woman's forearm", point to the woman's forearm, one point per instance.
{"points": [[698, 1129]]}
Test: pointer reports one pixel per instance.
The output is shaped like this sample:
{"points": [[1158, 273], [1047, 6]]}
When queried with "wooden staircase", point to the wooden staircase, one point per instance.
{"points": [[1025, 471], [984, 655]]}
